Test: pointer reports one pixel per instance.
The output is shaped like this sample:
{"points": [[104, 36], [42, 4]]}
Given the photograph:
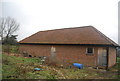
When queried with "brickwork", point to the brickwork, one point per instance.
{"points": [[64, 53], [69, 53], [112, 57]]}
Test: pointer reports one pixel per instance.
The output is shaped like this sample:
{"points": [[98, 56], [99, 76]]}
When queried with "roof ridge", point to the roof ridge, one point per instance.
{"points": [[107, 38], [66, 28]]}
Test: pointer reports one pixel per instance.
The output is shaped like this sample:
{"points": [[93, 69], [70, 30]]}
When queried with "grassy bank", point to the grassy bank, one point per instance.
{"points": [[23, 68], [17, 67]]}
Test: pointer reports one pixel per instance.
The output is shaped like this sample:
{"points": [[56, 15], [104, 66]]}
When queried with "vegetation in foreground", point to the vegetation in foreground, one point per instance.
{"points": [[23, 68]]}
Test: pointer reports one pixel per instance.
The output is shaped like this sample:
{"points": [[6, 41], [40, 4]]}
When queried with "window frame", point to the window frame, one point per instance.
{"points": [[89, 53]]}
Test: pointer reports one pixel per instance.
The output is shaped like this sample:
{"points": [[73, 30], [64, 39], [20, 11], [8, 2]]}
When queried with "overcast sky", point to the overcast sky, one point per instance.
{"points": [[39, 15]]}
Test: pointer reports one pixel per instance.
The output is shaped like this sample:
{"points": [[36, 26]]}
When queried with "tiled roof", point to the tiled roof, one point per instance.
{"points": [[76, 35]]}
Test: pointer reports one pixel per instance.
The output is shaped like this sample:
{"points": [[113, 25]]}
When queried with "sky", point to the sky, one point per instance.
{"points": [[40, 15]]}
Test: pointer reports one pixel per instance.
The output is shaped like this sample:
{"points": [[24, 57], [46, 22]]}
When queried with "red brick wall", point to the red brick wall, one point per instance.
{"points": [[64, 53], [69, 53], [112, 57]]}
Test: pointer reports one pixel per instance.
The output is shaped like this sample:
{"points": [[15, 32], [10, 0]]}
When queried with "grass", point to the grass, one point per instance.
{"points": [[14, 59], [118, 59], [23, 68], [14, 67]]}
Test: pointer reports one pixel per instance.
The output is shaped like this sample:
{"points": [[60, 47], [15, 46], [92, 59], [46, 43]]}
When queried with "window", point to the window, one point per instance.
{"points": [[89, 50]]}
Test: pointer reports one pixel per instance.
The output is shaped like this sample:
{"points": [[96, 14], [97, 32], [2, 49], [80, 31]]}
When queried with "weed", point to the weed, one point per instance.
{"points": [[23, 68]]}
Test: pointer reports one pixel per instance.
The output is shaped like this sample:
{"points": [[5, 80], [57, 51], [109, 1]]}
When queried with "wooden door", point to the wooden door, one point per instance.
{"points": [[102, 57]]}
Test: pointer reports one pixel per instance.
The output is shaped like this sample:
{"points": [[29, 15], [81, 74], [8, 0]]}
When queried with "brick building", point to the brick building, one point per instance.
{"points": [[85, 45]]}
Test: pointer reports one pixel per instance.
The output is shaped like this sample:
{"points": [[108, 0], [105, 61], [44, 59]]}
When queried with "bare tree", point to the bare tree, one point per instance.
{"points": [[7, 27]]}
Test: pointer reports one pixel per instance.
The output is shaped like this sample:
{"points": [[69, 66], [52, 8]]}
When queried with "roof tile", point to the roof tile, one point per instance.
{"points": [[76, 35]]}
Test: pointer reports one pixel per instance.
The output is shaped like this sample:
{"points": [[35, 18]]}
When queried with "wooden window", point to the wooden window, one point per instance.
{"points": [[90, 51]]}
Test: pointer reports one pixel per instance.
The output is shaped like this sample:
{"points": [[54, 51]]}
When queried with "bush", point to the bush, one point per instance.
{"points": [[10, 48]]}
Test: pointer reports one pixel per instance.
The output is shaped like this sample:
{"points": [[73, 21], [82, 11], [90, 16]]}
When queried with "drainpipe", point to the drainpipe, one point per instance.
{"points": [[107, 58], [116, 53]]}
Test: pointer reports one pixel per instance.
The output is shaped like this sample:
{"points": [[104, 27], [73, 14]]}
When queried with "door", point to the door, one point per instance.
{"points": [[102, 57], [53, 54]]}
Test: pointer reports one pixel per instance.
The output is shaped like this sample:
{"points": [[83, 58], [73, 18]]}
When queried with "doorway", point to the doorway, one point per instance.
{"points": [[102, 57]]}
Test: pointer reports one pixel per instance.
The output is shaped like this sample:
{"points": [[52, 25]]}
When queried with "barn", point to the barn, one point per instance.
{"points": [[85, 45]]}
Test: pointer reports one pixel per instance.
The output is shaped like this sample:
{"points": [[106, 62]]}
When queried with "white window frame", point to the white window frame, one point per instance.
{"points": [[89, 53]]}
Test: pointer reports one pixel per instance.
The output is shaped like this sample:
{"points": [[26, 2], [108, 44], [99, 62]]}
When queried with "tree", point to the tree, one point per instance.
{"points": [[7, 27], [10, 40]]}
